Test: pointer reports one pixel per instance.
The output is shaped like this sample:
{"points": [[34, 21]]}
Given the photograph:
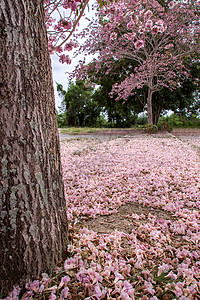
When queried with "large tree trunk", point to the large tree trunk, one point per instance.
{"points": [[33, 212]]}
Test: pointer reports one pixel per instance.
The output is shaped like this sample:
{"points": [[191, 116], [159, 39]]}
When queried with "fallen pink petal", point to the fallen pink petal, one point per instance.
{"points": [[134, 221]]}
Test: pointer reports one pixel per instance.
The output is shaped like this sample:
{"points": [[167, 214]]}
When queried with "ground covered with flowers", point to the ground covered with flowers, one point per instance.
{"points": [[134, 221]]}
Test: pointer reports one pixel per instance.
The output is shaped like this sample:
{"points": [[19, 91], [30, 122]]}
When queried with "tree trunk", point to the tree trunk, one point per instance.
{"points": [[33, 216], [149, 106], [156, 114]]}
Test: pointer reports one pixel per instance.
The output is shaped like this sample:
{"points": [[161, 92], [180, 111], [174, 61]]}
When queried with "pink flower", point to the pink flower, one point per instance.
{"points": [[172, 275], [130, 25], [139, 44], [159, 23], [179, 289], [128, 36], [64, 281], [118, 277], [127, 269], [149, 287], [81, 274], [52, 296], [172, 4], [98, 291], [149, 24], [35, 286], [139, 263], [148, 14], [169, 46], [14, 294], [108, 26], [65, 59], [41, 289], [64, 293], [107, 270], [66, 24], [94, 276], [155, 29], [129, 289], [70, 263], [124, 296], [164, 268], [113, 36], [69, 47]]}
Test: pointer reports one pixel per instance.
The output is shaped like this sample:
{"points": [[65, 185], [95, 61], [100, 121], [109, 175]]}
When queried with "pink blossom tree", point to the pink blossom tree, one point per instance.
{"points": [[154, 37], [62, 18]]}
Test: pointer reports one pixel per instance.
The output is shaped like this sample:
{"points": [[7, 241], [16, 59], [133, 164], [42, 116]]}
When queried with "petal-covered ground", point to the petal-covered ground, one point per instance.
{"points": [[134, 220]]}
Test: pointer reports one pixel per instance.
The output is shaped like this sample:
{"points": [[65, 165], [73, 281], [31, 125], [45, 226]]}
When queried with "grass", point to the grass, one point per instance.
{"points": [[85, 130]]}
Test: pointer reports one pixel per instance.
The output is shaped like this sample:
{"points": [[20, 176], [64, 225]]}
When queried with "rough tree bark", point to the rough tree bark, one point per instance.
{"points": [[33, 213]]}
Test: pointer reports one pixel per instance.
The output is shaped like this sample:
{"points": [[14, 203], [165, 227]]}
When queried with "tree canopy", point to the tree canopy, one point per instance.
{"points": [[155, 38], [78, 106]]}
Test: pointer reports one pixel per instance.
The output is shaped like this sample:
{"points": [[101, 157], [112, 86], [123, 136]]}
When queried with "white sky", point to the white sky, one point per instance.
{"points": [[60, 76]]}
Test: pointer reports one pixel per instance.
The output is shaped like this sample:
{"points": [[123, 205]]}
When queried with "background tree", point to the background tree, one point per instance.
{"points": [[157, 38], [119, 114], [78, 105], [183, 99]]}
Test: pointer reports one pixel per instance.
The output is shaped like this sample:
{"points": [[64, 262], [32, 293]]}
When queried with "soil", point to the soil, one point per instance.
{"points": [[103, 134], [122, 220], [179, 132], [184, 133]]}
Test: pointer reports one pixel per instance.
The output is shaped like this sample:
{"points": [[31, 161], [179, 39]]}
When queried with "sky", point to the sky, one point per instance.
{"points": [[60, 76], [60, 72]]}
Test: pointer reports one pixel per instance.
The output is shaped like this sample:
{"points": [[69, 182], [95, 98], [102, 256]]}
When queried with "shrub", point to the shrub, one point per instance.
{"points": [[150, 128], [141, 120], [179, 121], [164, 125]]}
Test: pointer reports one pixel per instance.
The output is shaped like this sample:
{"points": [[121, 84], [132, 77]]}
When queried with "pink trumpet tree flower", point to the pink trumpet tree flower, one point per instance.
{"points": [[62, 18]]}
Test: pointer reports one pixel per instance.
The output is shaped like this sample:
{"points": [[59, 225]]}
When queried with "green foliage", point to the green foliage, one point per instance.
{"points": [[78, 107], [164, 125], [180, 121], [61, 119], [119, 114], [141, 121], [149, 128], [184, 100], [81, 130]]}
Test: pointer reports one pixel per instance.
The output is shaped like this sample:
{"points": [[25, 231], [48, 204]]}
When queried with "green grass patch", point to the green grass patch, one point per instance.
{"points": [[86, 130], [80, 130]]}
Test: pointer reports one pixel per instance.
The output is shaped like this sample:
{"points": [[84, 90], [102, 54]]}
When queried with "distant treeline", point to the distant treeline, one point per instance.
{"points": [[84, 106]]}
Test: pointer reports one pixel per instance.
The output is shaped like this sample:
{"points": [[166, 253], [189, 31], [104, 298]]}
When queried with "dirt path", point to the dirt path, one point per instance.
{"points": [[191, 135], [103, 134]]}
